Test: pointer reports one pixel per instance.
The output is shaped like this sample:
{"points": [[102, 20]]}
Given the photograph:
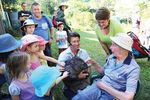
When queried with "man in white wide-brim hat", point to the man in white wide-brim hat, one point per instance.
{"points": [[121, 74]]}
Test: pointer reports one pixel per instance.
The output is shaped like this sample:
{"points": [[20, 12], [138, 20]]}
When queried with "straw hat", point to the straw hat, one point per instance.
{"points": [[123, 40]]}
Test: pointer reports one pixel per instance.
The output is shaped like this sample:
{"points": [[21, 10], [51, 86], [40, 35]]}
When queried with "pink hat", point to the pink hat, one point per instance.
{"points": [[28, 39], [42, 41]]}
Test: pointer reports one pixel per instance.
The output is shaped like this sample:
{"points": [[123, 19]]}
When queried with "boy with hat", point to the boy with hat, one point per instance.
{"points": [[61, 37], [28, 26]]}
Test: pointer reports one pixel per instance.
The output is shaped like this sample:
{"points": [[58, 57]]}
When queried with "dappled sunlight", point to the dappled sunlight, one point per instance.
{"points": [[90, 32], [92, 39]]}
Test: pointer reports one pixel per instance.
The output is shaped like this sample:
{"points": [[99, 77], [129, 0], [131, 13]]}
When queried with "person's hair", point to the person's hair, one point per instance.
{"points": [[35, 4], [23, 3], [16, 62], [4, 56], [73, 34], [102, 14]]}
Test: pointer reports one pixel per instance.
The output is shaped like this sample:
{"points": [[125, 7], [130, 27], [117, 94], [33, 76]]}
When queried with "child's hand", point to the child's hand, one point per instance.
{"points": [[62, 64], [65, 74]]}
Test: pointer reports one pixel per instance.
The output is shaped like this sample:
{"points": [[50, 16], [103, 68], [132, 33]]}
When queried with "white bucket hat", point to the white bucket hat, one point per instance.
{"points": [[63, 4], [28, 22], [123, 40]]}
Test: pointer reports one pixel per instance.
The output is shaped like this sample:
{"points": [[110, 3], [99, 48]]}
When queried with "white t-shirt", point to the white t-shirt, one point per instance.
{"points": [[63, 36]]}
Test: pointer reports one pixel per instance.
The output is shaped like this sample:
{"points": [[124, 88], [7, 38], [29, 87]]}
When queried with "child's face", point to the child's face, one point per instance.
{"points": [[42, 47], [61, 27], [34, 47], [30, 29]]}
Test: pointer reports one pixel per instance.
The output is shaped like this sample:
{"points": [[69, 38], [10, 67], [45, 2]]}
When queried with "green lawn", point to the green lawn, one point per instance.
{"points": [[91, 44]]}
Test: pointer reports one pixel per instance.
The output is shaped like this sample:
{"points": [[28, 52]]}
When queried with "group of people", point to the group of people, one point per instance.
{"points": [[24, 63]]}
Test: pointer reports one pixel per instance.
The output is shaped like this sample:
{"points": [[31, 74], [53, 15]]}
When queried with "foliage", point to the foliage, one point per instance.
{"points": [[10, 5]]}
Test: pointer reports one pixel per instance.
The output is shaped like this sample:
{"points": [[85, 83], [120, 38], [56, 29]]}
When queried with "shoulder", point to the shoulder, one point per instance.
{"points": [[83, 50], [64, 55], [14, 89]]}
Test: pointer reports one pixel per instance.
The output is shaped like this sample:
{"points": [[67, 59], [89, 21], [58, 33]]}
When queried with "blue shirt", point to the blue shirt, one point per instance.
{"points": [[122, 76], [43, 28]]}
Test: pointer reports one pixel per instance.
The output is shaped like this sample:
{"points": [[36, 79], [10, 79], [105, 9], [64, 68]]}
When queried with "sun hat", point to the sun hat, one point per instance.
{"points": [[63, 4], [43, 78], [123, 40], [28, 39], [8, 43], [28, 22], [42, 41], [59, 23]]}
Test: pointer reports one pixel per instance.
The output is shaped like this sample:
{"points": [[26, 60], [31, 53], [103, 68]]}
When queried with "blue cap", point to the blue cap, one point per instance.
{"points": [[43, 78], [8, 43]]}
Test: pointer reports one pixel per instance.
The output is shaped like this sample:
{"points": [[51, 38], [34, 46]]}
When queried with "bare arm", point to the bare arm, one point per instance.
{"points": [[65, 74], [15, 97], [98, 67], [118, 94], [50, 59], [52, 32]]}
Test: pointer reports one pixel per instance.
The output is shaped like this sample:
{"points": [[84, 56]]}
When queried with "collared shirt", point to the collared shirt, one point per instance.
{"points": [[75, 84], [67, 54], [122, 76]]}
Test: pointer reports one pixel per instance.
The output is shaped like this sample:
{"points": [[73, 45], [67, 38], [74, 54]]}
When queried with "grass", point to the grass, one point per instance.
{"points": [[90, 43]]}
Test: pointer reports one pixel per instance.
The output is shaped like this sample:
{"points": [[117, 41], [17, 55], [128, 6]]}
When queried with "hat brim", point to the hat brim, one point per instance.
{"points": [[18, 44], [63, 5], [43, 43], [50, 78], [119, 43], [22, 28]]}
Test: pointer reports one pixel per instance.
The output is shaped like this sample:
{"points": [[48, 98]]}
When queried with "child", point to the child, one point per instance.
{"points": [[61, 37], [42, 43], [28, 26], [44, 78], [18, 65], [31, 46]]}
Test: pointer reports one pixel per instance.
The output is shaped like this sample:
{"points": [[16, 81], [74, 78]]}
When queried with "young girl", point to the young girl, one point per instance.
{"points": [[28, 26], [44, 78], [31, 46], [61, 37], [18, 65], [42, 44]]}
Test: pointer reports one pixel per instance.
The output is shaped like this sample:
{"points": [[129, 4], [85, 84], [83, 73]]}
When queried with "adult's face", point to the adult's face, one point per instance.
{"points": [[24, 6], [36, 10], [116, 50], [75, 43], [103, 23]]}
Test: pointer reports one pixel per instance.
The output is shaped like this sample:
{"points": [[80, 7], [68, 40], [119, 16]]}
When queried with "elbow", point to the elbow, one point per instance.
{"points": [[128, 97]]}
